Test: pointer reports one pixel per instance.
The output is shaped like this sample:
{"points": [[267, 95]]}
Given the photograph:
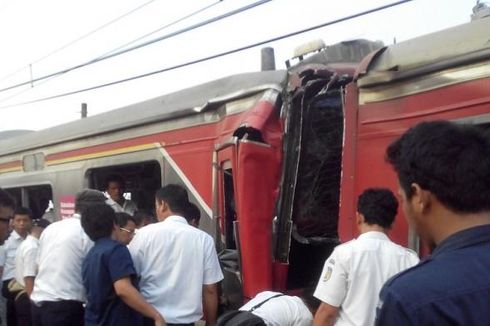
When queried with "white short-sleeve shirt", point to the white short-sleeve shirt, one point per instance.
{"points": [[10, 251], [355, 272], [62, 247], [284, 310], [174, 261], [25, 260]]}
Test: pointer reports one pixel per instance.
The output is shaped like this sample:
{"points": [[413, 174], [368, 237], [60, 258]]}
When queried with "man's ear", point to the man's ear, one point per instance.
{"points": [[359, 218], [162, 206], [421, 199]]}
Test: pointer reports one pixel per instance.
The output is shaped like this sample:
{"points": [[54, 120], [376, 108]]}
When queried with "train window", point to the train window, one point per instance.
{"points": [[33, 162], [38, 198], [141, 180]]}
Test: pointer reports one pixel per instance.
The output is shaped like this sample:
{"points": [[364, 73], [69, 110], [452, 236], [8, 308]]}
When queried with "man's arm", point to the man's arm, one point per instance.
{"points": [[130, 295], [326, 315], [210, 294], [29, 281]]}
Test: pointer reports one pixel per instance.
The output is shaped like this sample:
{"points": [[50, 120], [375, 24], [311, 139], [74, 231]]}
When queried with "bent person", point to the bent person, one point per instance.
{"points": [[109, 277]]}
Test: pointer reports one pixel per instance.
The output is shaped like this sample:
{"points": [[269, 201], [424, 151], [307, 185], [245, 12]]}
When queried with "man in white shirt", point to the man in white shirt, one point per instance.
{"points": [[177, 263], [355, 272], [26, 270], [7, 206], [58, 295], [21, 223], [115, 189]]}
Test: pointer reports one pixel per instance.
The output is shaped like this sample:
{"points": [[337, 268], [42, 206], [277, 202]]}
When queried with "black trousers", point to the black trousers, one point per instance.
{"points": [[10, 306], [57, 313], [23, 310], [151, 322]]}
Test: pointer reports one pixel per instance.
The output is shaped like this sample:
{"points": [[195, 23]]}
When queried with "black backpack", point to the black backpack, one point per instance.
{"points": [[243, 318]]}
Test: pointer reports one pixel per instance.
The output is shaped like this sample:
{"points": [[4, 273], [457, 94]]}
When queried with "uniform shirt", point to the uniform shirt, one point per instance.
{"points": [[62, 247], [356, 271], [280, 311], [10, 250], [127, 207], [451, 287], [174, 260], [107, 262], [25, 260]]}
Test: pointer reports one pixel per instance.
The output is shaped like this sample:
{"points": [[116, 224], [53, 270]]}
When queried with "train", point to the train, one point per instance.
{"points": [[274, 159]]}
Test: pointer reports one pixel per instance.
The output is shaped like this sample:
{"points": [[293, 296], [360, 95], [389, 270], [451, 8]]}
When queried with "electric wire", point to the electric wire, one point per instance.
{"points": [[163, 27], [119, 47], [214, 56], [78, 39], [158, 39]]}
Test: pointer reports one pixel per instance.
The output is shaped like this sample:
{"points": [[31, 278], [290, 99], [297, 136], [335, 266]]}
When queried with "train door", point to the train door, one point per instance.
{"points": [[256, 183], [224, 210]]}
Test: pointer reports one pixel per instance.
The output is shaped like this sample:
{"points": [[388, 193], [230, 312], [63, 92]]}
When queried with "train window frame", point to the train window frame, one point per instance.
{"points": [[24, 193], [142, 192]]}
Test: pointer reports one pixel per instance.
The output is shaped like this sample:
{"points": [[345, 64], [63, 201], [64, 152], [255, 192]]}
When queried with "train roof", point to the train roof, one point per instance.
{"points": [[463, 44], [185, 102]]}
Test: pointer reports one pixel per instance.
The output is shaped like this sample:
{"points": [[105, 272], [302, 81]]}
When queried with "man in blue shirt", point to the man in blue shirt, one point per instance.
{"points": [[109, 276], [444, 173]]}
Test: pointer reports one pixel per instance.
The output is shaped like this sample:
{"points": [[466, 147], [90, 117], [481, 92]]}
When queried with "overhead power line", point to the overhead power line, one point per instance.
{"points": [[162, 28], [333, 22], [158, 39], [79, 38], [119, 47]]}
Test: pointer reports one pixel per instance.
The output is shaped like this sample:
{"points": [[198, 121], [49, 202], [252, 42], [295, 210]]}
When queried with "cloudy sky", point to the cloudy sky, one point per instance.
{"points": [[39, 38]]}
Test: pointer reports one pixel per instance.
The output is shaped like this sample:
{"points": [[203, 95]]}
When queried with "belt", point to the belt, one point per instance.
{"points": [[41, 304]]}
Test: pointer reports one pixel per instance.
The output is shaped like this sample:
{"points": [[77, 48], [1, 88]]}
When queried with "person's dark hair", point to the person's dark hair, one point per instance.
{"points": [[114, 178], [6, 200], [98, 221], [450, 160], [378, 206], [140, 215], [23, 211], [88, 197], [175, 196], [192, 212], [122, 219]]}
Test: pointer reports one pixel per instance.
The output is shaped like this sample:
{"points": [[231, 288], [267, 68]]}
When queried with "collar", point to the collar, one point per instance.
{"points": [[104, 239], [462, 239], [15, 235], [176, 218], [373, 235]]}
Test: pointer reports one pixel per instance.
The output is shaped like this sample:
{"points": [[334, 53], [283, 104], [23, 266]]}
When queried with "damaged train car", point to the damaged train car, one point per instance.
{"points": [[274, 159]]}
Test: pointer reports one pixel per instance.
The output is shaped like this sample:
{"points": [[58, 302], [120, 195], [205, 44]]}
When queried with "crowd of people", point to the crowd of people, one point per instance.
{"points": [[95, 269]]}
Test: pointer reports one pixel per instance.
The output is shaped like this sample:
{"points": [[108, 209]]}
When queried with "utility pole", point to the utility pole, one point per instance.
{"points": [[84, 110]]}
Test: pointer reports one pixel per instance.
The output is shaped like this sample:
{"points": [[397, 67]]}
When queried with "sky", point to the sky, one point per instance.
{"points": [[38, 38]]}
